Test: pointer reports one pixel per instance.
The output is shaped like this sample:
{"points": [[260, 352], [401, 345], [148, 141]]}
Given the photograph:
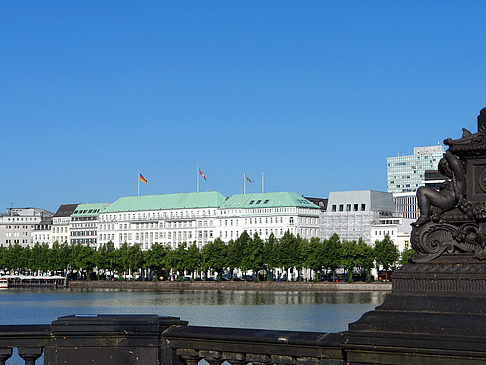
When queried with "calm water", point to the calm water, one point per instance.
{"points": [[299, 311]]}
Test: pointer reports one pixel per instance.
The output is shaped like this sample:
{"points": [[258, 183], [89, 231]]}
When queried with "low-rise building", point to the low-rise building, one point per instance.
{"points": [[397, 228], [350, 214], [17, 225], [267, 213], [42, 231], [83, 227], [167, 219], [60, 223], [172, 219]]}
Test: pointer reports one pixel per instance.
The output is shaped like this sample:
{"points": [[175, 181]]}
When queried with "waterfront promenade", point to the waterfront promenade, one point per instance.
{"points": [[233, 285]]}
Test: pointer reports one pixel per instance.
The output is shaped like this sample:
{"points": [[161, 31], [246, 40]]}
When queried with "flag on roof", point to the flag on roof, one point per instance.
{"points": [[200, 173], [142, 179], [247, 179]]}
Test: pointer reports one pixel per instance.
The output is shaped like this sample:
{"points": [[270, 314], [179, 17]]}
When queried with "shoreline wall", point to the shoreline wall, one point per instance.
{"points": [[227, 285]]}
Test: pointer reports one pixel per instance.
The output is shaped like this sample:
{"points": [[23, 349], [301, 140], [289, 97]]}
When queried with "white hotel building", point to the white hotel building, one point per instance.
{"points": [[201, 217]]}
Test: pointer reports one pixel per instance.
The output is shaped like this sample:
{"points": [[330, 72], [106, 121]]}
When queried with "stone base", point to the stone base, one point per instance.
{"points": [[435, 314]]}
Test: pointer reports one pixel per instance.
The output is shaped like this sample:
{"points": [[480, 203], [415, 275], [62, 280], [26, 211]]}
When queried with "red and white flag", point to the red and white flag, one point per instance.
{"points": [[200, 173]]}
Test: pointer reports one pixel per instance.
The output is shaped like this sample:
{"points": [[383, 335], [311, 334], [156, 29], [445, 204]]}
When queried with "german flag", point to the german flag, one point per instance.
{"points": [[142, 179]]}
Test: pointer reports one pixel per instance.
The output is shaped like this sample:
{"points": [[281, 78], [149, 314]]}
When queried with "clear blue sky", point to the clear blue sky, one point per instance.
{"points": [[315, 94]]}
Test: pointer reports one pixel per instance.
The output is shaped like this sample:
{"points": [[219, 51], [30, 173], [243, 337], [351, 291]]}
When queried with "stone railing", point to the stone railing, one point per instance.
{"points": [[147, 339], [30, 341], [242, 346]]}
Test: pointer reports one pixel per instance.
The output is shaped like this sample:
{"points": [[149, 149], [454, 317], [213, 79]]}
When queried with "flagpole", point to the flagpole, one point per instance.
{"points": [[138, 179], [197, 177], [244, 183]]}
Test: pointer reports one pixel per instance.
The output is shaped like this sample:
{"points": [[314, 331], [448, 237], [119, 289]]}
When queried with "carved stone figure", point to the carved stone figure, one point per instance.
{"points": [[453, 219], [432, 202]]}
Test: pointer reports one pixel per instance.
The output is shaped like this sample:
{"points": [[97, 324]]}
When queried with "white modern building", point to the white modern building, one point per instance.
{"points": [[407, 173], [350, 214], [398, 229], [17, 224], [406, 205]]}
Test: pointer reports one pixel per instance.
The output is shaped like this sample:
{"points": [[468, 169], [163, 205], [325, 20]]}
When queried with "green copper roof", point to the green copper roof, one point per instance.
{"points": [[92, 209], [210, 199], [267, 200]]}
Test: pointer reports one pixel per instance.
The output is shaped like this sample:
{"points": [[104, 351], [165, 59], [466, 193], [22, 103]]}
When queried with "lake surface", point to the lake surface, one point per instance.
{"points": [[298, 311]]}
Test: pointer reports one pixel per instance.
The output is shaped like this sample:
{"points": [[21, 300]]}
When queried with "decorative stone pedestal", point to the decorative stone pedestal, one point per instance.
{"points": [[436, 314]]}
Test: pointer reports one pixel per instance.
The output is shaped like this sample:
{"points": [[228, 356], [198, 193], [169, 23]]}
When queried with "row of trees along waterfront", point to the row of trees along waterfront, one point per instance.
{"points": [[243, 255]]}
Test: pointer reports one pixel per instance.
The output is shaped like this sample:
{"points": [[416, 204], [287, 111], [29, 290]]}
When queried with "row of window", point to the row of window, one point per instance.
{"points": [[83, 233], [16, 234], [18, 227], [20, 219], [348, 207]]}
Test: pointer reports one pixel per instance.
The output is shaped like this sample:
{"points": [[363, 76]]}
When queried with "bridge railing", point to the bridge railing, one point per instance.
{"points": [[148, 339], [242, 346], [30, 340]]}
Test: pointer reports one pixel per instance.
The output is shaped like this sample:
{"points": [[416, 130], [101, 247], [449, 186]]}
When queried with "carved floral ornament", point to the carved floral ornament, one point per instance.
{"points": [[453, 219]]}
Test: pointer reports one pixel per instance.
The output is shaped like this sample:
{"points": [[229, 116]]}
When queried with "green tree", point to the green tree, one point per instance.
{"points": [[242, 243], [235, 252], [314, 256], [214, 256], [3, 257], [406, 255], [255, 255], [365, 257], [121, 260], [386, 253], [288, 252], [156, 258], [176, 259], [349, 257], [269, 254], [134, 258], [193, 259], [333, 253]]}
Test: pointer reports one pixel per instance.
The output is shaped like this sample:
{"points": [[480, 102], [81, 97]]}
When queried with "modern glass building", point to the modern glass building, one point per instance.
{"points": [[407, 173]]}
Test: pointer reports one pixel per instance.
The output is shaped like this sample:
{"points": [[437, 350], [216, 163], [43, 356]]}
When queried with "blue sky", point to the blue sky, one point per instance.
{"points": [[315, 94]]}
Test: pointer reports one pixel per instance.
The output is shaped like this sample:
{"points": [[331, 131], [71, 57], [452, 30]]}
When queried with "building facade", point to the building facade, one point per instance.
{"points": [[172, 219], [407, 173], [406, 205], [168, 219], [83, 226], [267, 213], [42, 231], [17, 224], [398, 229], [60, 223], [350, 214]]}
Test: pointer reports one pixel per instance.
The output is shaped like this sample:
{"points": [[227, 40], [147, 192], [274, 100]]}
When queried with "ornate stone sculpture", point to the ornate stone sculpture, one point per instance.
{"points": [[453, 220]]}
